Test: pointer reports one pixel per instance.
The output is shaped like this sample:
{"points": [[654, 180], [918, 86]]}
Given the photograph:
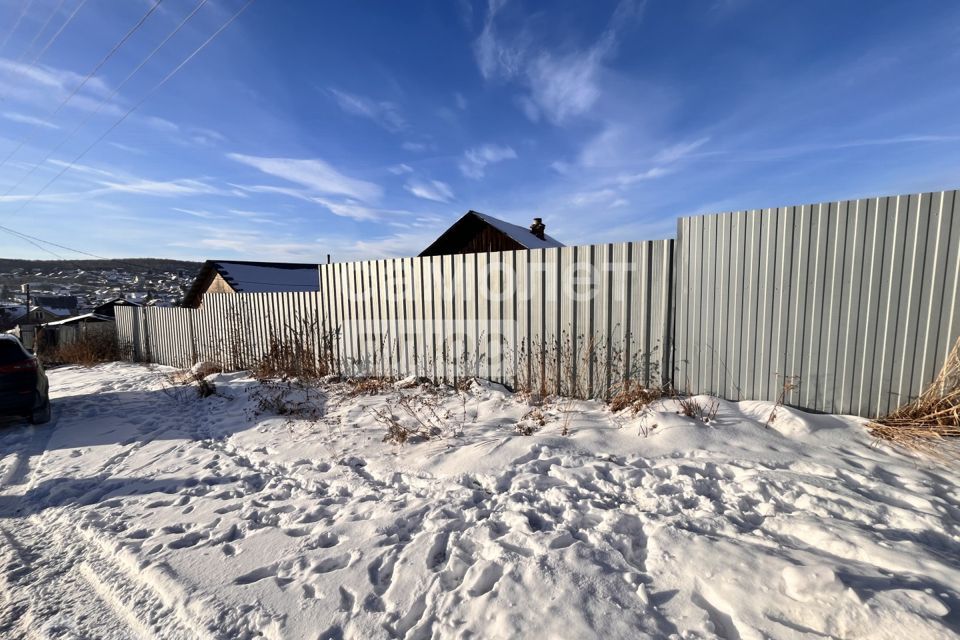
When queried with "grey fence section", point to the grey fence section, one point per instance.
{"points": [[576, 320], [855, 300], [236, 331], [858, 300]]}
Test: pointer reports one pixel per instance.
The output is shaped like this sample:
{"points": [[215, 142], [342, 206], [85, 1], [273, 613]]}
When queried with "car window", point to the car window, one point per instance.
{"points": [[11, 352]]}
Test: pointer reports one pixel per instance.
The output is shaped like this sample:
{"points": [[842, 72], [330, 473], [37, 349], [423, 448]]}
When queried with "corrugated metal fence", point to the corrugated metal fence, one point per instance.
{"points": [[857, 301], [574, 320]]}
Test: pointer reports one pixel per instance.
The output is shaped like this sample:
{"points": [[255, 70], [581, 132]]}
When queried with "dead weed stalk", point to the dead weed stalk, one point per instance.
{"points": [[930, 424]]}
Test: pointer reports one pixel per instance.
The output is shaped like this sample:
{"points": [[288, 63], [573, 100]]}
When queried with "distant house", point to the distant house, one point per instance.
{"points": [[61, 306], [477, 232], [109, 307], [62, 332], [233, 276], [10, 313]]}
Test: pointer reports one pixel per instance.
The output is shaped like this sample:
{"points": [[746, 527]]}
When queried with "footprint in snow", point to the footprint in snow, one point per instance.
{"points": [[487, 579], [334, 563], [189, 540]]}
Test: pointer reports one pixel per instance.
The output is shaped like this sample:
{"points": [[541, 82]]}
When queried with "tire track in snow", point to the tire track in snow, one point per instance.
{"points": [[54, 586]]}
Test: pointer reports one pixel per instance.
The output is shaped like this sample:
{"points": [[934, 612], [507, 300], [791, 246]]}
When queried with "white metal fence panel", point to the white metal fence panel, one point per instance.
{"points": [[857, 300]]}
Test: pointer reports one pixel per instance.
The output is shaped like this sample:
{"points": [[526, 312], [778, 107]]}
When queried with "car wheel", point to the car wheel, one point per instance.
{"points": [[41, 415]]}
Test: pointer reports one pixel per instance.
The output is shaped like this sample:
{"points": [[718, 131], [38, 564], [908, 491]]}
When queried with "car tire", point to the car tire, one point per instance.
{"points": [[41, 415]]}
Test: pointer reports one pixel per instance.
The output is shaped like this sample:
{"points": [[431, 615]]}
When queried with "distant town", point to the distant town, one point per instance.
{"points": [[58, 289]]}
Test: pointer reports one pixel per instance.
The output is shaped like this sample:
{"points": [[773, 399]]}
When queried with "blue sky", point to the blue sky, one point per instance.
{"points": [[363, 129]]}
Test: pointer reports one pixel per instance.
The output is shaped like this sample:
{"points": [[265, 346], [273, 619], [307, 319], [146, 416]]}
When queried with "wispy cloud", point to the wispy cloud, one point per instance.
{"points": [[384, 113], [315, 174], [417, 147], [196, 213], [169, 188], [559, 85], [352, 210], [653, 173], [475, 161], [46, 86], [680, 150], [400, 169], [430, 190], [22, 118]]}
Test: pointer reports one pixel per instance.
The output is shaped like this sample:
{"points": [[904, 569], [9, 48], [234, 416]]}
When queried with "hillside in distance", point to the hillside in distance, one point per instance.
{"points": [[95, 281]]}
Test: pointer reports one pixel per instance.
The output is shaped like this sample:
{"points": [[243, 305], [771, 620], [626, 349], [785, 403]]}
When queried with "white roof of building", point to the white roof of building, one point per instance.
{"points": [[87, 317]]}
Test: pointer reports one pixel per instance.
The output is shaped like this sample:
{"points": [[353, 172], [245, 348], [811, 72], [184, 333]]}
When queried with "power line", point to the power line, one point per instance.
{"points": [[42, 29], [103, 102], [23, 237], [89, 75], [34, 239], [54, 37], [30, 239], [10, 32], [154, 89]]}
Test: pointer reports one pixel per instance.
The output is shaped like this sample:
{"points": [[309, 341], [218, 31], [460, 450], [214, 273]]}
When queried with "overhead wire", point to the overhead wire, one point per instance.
{"points": [[13, 29], [105, 101], [46, 24], [116, 47], [137, 105], [56, 35], [34, 239]]}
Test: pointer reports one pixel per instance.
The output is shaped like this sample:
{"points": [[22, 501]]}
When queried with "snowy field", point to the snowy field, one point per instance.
{"points": [[143, 511]]}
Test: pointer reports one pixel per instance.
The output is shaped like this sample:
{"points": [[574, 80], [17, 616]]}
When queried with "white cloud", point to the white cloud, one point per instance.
{"points": [[431, 190], [460, 101], [170, 188], [350, 210], [400, 244], [680, 151], [475, 161], [197, 213], [22, 118], [417, 147], [649, 174], [559, 86], [161, 124], [44, 87], [127, 148], [315, 174], [400, 169], [384, 113]]}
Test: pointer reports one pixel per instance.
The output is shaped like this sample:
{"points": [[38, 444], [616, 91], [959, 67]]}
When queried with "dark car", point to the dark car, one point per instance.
{"points": [[24, 390]]}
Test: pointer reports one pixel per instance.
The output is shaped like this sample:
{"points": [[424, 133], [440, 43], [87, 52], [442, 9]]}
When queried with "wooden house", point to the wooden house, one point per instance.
{"points": [[477, 232], [236, 276]]}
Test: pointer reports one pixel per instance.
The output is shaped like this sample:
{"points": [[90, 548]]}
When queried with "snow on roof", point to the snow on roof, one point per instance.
{"points": [[255, 277], [521, 235], [260, 277], [87, 317], [56, 302]]}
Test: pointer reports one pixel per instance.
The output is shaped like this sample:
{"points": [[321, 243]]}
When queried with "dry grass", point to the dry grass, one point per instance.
{"points": [[930, 424], [693, 408], [93, 349], [367, 386], [790, 383], [532, 422], [634, 396]]}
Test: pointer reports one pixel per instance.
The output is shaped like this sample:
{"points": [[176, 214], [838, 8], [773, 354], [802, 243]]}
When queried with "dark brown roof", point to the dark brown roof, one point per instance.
{"points": [[467, 224], [254, 277]]}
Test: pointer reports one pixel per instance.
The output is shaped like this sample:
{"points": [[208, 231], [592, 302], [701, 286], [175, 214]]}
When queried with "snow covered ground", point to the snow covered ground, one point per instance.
{"points": [[145, 511]]}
